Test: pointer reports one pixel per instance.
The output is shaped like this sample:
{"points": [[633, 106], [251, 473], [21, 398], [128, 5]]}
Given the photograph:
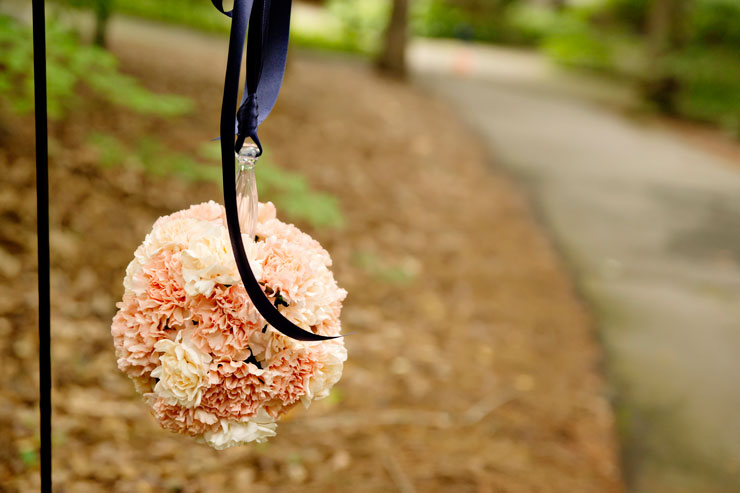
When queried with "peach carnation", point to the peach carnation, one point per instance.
{"points": [[188, 336]]}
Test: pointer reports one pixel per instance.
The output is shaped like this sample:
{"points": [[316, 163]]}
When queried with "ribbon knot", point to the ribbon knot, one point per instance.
{"points": [[247, 118]]}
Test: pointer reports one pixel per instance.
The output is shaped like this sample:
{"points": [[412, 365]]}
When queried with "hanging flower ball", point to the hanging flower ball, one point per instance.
{"points": [[189, 337]]}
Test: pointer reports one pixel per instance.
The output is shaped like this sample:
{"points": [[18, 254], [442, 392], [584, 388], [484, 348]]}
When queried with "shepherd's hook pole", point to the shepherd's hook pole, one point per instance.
{"points": [[42, 227]]}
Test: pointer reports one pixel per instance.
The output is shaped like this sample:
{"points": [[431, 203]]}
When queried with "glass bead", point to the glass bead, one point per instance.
{"points": [[246, 189]]}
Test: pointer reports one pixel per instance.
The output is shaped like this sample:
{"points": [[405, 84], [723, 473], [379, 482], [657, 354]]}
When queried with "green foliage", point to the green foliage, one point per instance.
{"points": [[362, 22], [321, 40], [16, 61], [92, 4], [437, 19], [629, 14], [352, 26], [711, 22], [575, 43], [126, 91], [111, 152], [710, 85], [530, 24], [343, 25], [572, 39], [153, 158], [472, 20], [610, 37], [715, 22], [292, 194], [198, 14], [69, 65]]}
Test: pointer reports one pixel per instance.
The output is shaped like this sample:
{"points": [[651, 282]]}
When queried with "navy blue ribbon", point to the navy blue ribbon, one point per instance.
{"points": [[267, 49]]}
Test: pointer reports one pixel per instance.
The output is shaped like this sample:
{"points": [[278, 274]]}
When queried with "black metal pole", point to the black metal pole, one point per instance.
{"points": [[42, 228]]}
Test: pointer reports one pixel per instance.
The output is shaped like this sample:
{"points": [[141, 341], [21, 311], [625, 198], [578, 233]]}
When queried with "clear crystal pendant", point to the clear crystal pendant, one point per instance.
{"points": [[246, 189]]}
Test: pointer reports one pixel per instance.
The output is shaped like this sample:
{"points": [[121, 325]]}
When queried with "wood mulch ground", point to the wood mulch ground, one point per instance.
{"points": [[476, 369]]}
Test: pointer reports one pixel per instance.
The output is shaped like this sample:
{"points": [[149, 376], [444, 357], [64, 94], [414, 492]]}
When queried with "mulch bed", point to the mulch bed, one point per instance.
{"points": [[476, 370]]}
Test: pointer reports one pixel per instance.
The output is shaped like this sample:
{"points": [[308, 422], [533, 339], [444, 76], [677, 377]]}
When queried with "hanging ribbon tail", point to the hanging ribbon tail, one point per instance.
{"points": [[266, 91]]}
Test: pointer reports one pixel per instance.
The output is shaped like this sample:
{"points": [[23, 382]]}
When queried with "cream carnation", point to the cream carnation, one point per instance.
{"points": [[182, 372], [208, 260], [267, 344], [256, 429], [135, 281], [331, 361], [170, 234]]}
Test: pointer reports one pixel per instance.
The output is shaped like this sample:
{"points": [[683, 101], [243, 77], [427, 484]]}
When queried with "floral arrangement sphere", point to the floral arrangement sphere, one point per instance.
{"points": [[195, 346]]}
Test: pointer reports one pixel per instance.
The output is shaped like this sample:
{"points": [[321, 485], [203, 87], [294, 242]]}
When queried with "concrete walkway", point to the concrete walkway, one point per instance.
{"points": [[651, 227]]}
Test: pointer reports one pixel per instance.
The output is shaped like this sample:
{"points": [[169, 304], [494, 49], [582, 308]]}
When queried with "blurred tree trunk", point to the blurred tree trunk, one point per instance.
{"points": [[392, 59], [665, 34], [659, 26], [103, 9]]}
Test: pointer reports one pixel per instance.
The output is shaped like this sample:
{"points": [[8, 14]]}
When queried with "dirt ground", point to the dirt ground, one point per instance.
{"points": [[478, 372]]}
